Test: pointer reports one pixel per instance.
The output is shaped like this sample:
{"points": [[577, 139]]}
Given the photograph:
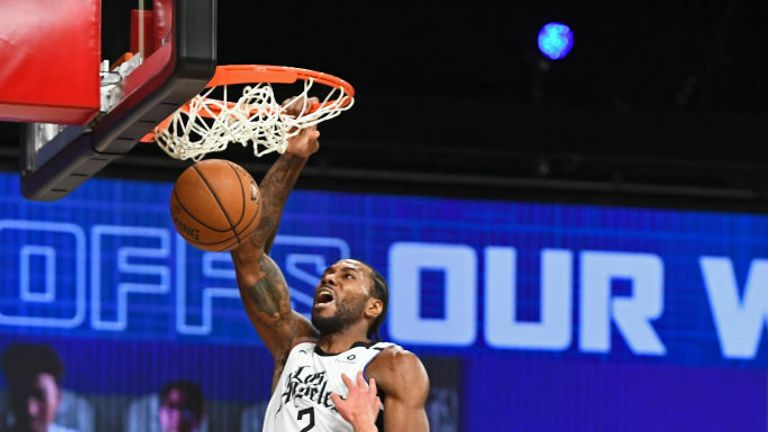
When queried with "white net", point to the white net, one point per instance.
{"points": [[209, 125]]}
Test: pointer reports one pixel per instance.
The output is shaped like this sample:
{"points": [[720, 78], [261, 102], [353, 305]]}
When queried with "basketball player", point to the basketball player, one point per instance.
{"points": [[330, 354]]}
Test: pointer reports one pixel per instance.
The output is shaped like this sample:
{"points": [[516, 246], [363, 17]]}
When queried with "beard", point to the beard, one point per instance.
{"points": [[346, 314]]}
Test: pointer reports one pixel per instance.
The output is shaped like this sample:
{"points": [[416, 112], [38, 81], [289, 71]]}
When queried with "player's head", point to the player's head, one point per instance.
{"points": [[181, 407], [350, 291], [33, 374]]}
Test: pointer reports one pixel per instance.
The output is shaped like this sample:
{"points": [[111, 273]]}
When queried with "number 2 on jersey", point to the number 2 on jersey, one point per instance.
{"points": [[307, 411]]}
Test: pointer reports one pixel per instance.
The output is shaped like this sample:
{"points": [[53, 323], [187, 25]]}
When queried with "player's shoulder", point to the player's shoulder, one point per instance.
{"points": [[399, 373], [396, 362], [392, 352]]}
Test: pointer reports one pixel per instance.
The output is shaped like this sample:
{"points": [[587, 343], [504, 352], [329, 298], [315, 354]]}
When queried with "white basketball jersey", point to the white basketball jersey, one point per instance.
{"points": [[302, 399]]}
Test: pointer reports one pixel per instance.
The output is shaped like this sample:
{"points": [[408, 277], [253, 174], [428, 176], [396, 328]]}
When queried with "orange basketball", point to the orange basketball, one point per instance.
{"points": [[215, 205]]}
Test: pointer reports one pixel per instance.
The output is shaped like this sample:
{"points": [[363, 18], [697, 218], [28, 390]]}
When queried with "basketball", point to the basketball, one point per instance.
{"points": [[215, 205]]}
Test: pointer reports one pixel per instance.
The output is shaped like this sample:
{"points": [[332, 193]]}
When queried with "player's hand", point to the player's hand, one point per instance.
{"points": [[361, 407], [299, 105], [305, 143]]}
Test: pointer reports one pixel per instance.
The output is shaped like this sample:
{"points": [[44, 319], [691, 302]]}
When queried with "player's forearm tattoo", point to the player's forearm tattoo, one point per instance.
{"points": [[269, 295], [275, 188]]}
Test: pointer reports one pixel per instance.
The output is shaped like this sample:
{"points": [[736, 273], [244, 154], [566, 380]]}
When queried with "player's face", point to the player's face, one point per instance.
{"points": [[341, 296], [35, 404]]}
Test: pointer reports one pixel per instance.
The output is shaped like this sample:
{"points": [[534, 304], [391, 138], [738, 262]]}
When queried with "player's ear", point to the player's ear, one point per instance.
{"points": [[374, 307]]}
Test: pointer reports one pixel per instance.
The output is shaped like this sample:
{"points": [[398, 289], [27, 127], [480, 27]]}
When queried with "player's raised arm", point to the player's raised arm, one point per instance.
{"points": [[279, 180], [404, 381], [263, 288]]}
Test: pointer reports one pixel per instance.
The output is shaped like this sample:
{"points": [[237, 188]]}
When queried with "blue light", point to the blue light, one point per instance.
{"points": [[555, 40]]}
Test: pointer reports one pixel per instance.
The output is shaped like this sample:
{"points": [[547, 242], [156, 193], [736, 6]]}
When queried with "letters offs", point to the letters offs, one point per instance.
{"points": [[739, 322], [132, 279]]}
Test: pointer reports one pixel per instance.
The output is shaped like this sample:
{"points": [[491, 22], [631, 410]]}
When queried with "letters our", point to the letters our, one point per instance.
{"points": [[739, 319]]}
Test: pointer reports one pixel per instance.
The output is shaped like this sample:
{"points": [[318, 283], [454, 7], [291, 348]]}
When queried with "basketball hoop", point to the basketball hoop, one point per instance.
{"points": [[205, 124]]}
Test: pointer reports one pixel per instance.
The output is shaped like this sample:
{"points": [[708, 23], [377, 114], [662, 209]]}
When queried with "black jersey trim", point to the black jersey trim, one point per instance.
{"points": [[319, 351]]}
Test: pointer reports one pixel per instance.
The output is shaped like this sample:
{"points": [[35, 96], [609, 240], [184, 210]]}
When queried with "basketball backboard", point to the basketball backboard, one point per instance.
{"points": [[127, 65]]}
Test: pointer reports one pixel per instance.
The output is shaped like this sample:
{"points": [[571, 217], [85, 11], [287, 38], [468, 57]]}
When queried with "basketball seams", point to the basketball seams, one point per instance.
{"points": [[242, 190], [257, 214], [205, 243], [211, 186], [218, 201], [247, 229], [192, 216]]}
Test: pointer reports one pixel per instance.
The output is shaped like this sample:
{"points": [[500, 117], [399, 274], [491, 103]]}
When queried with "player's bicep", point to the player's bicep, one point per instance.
{"points": [[404, 415], [402, 377]]}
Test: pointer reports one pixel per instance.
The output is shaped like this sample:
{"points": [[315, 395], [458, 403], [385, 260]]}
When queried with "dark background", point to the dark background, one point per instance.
{"points": [[657, 104]]}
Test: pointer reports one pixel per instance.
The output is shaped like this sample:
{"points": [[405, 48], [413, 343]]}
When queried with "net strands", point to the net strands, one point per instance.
{"points": [[208, 125]]}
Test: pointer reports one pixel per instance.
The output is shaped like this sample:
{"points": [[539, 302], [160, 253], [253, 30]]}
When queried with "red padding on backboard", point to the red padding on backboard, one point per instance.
{"points": [[163, 20], [142, 20], [50, 52]]}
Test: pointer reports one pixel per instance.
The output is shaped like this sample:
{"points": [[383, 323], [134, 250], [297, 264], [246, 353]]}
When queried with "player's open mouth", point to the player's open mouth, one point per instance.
{"points": [[323, 297]]}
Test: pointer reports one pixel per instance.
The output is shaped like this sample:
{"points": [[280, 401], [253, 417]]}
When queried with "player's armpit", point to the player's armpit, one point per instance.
{"points": [[404, 381]]}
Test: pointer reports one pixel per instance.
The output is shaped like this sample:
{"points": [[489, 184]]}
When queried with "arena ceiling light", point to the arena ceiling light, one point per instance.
{"points": [[555, 40]]}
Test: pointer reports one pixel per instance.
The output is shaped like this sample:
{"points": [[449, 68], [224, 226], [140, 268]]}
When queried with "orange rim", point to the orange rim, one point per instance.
{"points": [[247, 74], [251, 74]]}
